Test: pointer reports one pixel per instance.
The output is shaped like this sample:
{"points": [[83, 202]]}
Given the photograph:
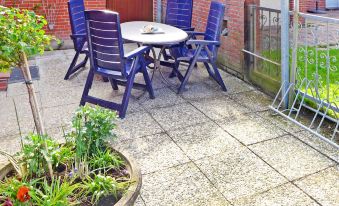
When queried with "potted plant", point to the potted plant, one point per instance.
{"points": [[86, 170], [4, 76]]}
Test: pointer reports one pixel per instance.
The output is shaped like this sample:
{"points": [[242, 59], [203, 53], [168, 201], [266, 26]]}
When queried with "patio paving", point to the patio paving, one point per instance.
{"points": [[203, 147]]}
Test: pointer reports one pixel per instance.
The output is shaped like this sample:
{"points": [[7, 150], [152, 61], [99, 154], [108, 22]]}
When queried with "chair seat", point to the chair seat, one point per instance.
{"points": [[128, 65], [185, 54]]}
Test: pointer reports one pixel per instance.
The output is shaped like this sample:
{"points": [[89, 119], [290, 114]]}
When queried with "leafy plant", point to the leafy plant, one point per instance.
{"points": [[35, 155], [101, 186], [55, 193], [92, 129], [22, 36], [17, 192], [104, 160]]}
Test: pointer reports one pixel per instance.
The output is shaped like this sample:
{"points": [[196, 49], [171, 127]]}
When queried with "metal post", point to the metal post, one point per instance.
{"points": [[159, 11], [295, 40], [285, 72]]}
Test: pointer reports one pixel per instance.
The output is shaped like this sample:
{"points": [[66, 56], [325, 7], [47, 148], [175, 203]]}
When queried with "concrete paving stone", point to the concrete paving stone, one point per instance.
{"points": [[320, 145], [3, 95], [59, 116], [139, 201], [163, 98], [280, 121], [254, 100], [250, 128], [178, 116], [233, 84], [220, 107], [137, 125], [182, 185], [153, 153], [284, 195], [322, 186], [200, 91], [239, 173], [61, 96], [203, 140], [20, 88], [11, 144], [9, 122], [291, 157]]}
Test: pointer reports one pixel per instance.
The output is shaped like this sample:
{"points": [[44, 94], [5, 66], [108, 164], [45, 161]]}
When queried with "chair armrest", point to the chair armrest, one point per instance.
{"points": [[195, 33], [203, 42], [137, 52], [191, 29], [78, 36]]}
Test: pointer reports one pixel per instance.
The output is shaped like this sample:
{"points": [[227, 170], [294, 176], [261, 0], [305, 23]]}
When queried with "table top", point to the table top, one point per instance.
{"points": [[131, 31]]}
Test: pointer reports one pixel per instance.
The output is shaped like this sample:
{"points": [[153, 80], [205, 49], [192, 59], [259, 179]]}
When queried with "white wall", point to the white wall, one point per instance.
{"points": [[274, 4]]}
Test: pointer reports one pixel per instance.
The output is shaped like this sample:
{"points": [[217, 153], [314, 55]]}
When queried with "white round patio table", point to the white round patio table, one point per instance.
{"points": [[167, 35]]}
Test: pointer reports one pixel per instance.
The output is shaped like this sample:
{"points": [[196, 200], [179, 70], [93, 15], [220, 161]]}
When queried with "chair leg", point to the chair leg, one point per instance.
{"points": [[127, 95], [148, 83], [88, 86], [114, 84], [218, 77], [186, 77], [70, 69], [208, 68]]}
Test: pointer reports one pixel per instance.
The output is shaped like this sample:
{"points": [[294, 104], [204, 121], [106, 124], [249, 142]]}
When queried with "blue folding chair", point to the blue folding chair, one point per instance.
{"points": [[179, 14], [76, 9], [205, 51], [108, 59]]}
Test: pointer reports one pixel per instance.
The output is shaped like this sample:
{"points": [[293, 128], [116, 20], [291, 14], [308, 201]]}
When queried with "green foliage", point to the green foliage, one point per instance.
{"points": [[64, 155], [34, 154], [105, 160], [9, 189], [20, 31], [55, 193], [92, 130], [101, 186]]}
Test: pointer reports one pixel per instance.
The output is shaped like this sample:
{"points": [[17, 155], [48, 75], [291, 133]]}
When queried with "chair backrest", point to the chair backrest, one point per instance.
{"points": [[179, 13], [105, 42], [76, 11], [214, 23]]}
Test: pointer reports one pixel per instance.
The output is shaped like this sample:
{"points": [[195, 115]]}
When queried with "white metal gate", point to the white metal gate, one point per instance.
{"points": [[310, 72]]}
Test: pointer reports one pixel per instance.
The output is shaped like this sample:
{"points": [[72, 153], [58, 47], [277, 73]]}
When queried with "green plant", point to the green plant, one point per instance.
{"points": [[93, 128], [56, 193], [105, 160], [101, 186], [35, 156], [16, 191], [22, 36]]}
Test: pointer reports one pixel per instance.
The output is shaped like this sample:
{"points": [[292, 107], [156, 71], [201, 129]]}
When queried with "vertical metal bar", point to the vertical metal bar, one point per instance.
{"points": [[159, 11], [285, 73], [295, 40], [328, 63]]}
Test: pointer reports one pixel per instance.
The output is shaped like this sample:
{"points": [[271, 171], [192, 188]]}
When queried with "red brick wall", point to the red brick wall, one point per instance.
{"points": [[305, 5], [62, 26]]}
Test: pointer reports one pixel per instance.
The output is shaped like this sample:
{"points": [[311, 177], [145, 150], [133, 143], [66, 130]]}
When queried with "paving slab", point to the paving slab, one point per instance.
{"points": [[280, 121], [291, 157], [163, 98], [139, 201], [320, 145], [239, 173], [9, 124], [137, 125], [182, 185], [250, 128], [322, 186], [203, 140], [20, 88], [220, 107], [178, 116], [254, 100], [59, 116], [285, 195], [61, 96], [153, 153], [200, 91]]}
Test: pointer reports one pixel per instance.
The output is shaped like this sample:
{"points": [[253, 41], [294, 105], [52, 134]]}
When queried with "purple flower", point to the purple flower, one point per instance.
{"points": [[8, 202]]}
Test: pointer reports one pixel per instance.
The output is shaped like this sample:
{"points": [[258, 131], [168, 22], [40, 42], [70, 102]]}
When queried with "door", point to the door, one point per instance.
{"points": [[132, 10], [332, 4]]}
